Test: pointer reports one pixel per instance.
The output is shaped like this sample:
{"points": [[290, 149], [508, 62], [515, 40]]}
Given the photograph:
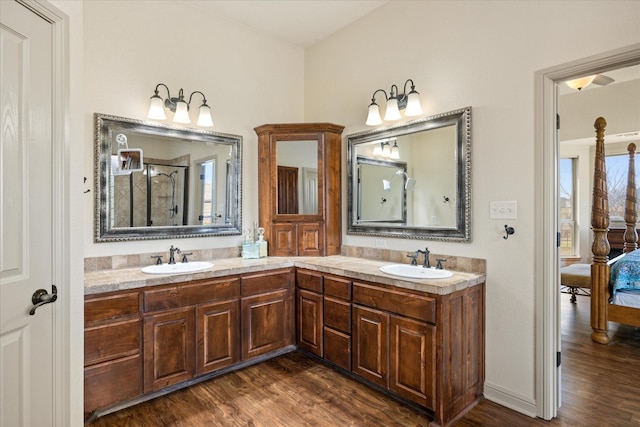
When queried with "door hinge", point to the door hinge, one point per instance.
{"points": [[558, 359], [558, 239], [557, 121]]}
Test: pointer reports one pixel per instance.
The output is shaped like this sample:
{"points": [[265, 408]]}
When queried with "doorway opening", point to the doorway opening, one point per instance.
{"points": [[547, 252]]}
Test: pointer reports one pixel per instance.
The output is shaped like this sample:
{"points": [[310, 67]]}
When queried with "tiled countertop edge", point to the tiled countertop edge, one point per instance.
{"points": [[102, 281]]}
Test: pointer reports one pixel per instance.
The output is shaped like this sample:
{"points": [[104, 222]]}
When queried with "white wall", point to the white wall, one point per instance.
{"points": [[483, 54], [248, 79]]}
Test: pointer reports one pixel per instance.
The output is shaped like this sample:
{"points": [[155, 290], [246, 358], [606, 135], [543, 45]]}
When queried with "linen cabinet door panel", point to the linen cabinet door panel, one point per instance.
{"points": [[169, 348], [412, 360], [265, 323], [337, 348], [217, 335], [370, 358], [112, 382], [311, 240], [284, 241], [309, 325]]}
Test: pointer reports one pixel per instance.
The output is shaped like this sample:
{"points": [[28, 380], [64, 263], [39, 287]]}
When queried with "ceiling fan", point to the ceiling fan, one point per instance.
{"points": [[596, 79]]}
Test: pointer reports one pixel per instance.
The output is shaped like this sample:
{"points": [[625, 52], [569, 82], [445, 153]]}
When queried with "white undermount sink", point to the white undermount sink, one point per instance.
{"points": [[178, 268], [415, 271]]}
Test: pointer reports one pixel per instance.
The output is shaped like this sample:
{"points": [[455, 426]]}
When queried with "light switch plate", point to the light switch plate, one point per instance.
{"points": [[503, 210]]}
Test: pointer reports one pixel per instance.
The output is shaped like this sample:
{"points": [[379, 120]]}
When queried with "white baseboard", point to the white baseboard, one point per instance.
{"points": [[510, 400]]}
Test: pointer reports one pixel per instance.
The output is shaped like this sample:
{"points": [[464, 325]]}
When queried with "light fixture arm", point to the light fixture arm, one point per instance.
{"points": [[204, 98], [373, 97]]}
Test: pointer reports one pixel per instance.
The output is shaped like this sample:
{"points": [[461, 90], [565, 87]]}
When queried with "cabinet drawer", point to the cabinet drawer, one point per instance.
{"points": [[190, 294], [336, 287], [337, 348], [104, 308], [108, 342], [109, 383], [411, 305], [337, 314], [309, 281], [265, 282]]}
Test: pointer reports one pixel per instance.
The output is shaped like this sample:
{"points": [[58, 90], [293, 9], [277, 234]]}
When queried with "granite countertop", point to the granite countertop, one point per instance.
{"points": [[96, 282]]}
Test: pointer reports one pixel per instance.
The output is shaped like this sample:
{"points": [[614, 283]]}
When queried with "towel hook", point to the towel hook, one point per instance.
{"points": [[508, 230]]}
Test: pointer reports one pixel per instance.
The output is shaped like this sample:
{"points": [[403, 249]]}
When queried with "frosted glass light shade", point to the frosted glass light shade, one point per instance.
{"points": [[580, 83], [373, 119], [392, 112], [156, 109], [204, 118], [182, 113], [377, 150], [413, 105], [395, 151], [386, 151]]}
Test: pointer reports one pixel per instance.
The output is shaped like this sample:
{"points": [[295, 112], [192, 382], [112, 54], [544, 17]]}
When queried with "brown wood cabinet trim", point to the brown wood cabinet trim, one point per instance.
{"points": [[337, 287], [225, 343], [112, 341], [190, 293], [104, 308], [267, 281], [337, 314], [309, 280], [407, 304]]}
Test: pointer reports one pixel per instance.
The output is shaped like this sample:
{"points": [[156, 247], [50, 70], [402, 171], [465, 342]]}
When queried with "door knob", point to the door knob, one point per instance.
{"points": [[42, 297]]}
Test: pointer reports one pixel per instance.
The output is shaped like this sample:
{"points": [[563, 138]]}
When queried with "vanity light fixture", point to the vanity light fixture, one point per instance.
{"points": [[384, 149], [180, 106], [410, 102]]}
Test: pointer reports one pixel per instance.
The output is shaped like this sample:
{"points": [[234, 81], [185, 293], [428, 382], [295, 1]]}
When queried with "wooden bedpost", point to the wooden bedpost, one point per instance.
{"points": [[630, 207], [600, 247]]}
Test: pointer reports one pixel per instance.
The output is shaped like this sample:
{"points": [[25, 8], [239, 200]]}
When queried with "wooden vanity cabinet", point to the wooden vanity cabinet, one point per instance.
{"points": [[336, 329], [267, 312], [113, 353], [189, 329], [299, 207], [309, 313], [394, 341]]}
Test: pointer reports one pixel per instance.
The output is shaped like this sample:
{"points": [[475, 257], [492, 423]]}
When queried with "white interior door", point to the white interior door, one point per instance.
{"points": [[26, 341]]}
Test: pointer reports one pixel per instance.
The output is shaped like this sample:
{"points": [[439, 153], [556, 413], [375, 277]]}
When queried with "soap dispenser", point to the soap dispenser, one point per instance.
{"points": [[262, 244]]}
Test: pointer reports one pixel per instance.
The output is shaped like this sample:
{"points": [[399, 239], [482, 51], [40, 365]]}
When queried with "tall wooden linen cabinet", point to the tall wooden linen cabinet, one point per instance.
{"points": [[299, 182]]}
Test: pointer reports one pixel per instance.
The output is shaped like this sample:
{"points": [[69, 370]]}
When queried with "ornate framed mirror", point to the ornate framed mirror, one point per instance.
{"points": [[433, 188], [155, 181]]}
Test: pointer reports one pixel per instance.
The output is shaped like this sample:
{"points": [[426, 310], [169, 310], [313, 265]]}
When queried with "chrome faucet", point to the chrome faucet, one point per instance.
{"points": [[172, 257], [426, 257]]}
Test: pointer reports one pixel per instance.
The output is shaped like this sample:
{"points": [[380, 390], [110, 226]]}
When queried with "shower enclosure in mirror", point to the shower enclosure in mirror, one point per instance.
{"points": [[412, 180], [155, 181]]}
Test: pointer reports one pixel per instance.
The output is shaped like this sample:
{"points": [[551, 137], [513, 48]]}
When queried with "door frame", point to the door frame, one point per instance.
{"points": [[546, 273], [63, 371]]}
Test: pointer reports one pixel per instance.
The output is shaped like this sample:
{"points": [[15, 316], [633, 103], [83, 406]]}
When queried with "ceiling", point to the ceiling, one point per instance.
{"points": [[302, 23]]}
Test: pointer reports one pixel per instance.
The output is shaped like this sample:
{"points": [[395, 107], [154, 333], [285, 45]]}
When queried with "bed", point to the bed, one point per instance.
{"points": [[615, 287]]}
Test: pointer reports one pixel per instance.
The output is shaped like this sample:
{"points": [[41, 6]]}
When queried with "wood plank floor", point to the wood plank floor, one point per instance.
{"points": [[600, 387]]}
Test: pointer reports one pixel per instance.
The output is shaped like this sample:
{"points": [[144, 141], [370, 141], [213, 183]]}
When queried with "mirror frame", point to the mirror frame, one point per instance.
{"points": [[460, 118], [104, 137]]}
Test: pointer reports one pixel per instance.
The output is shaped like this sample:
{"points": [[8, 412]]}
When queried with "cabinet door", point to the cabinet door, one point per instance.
{"points": [[412, 360], [310, 239], [266, 323], [370, 344], [108, 383], [217, 335], [284, 241], [309, 321], [168, 348]]}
